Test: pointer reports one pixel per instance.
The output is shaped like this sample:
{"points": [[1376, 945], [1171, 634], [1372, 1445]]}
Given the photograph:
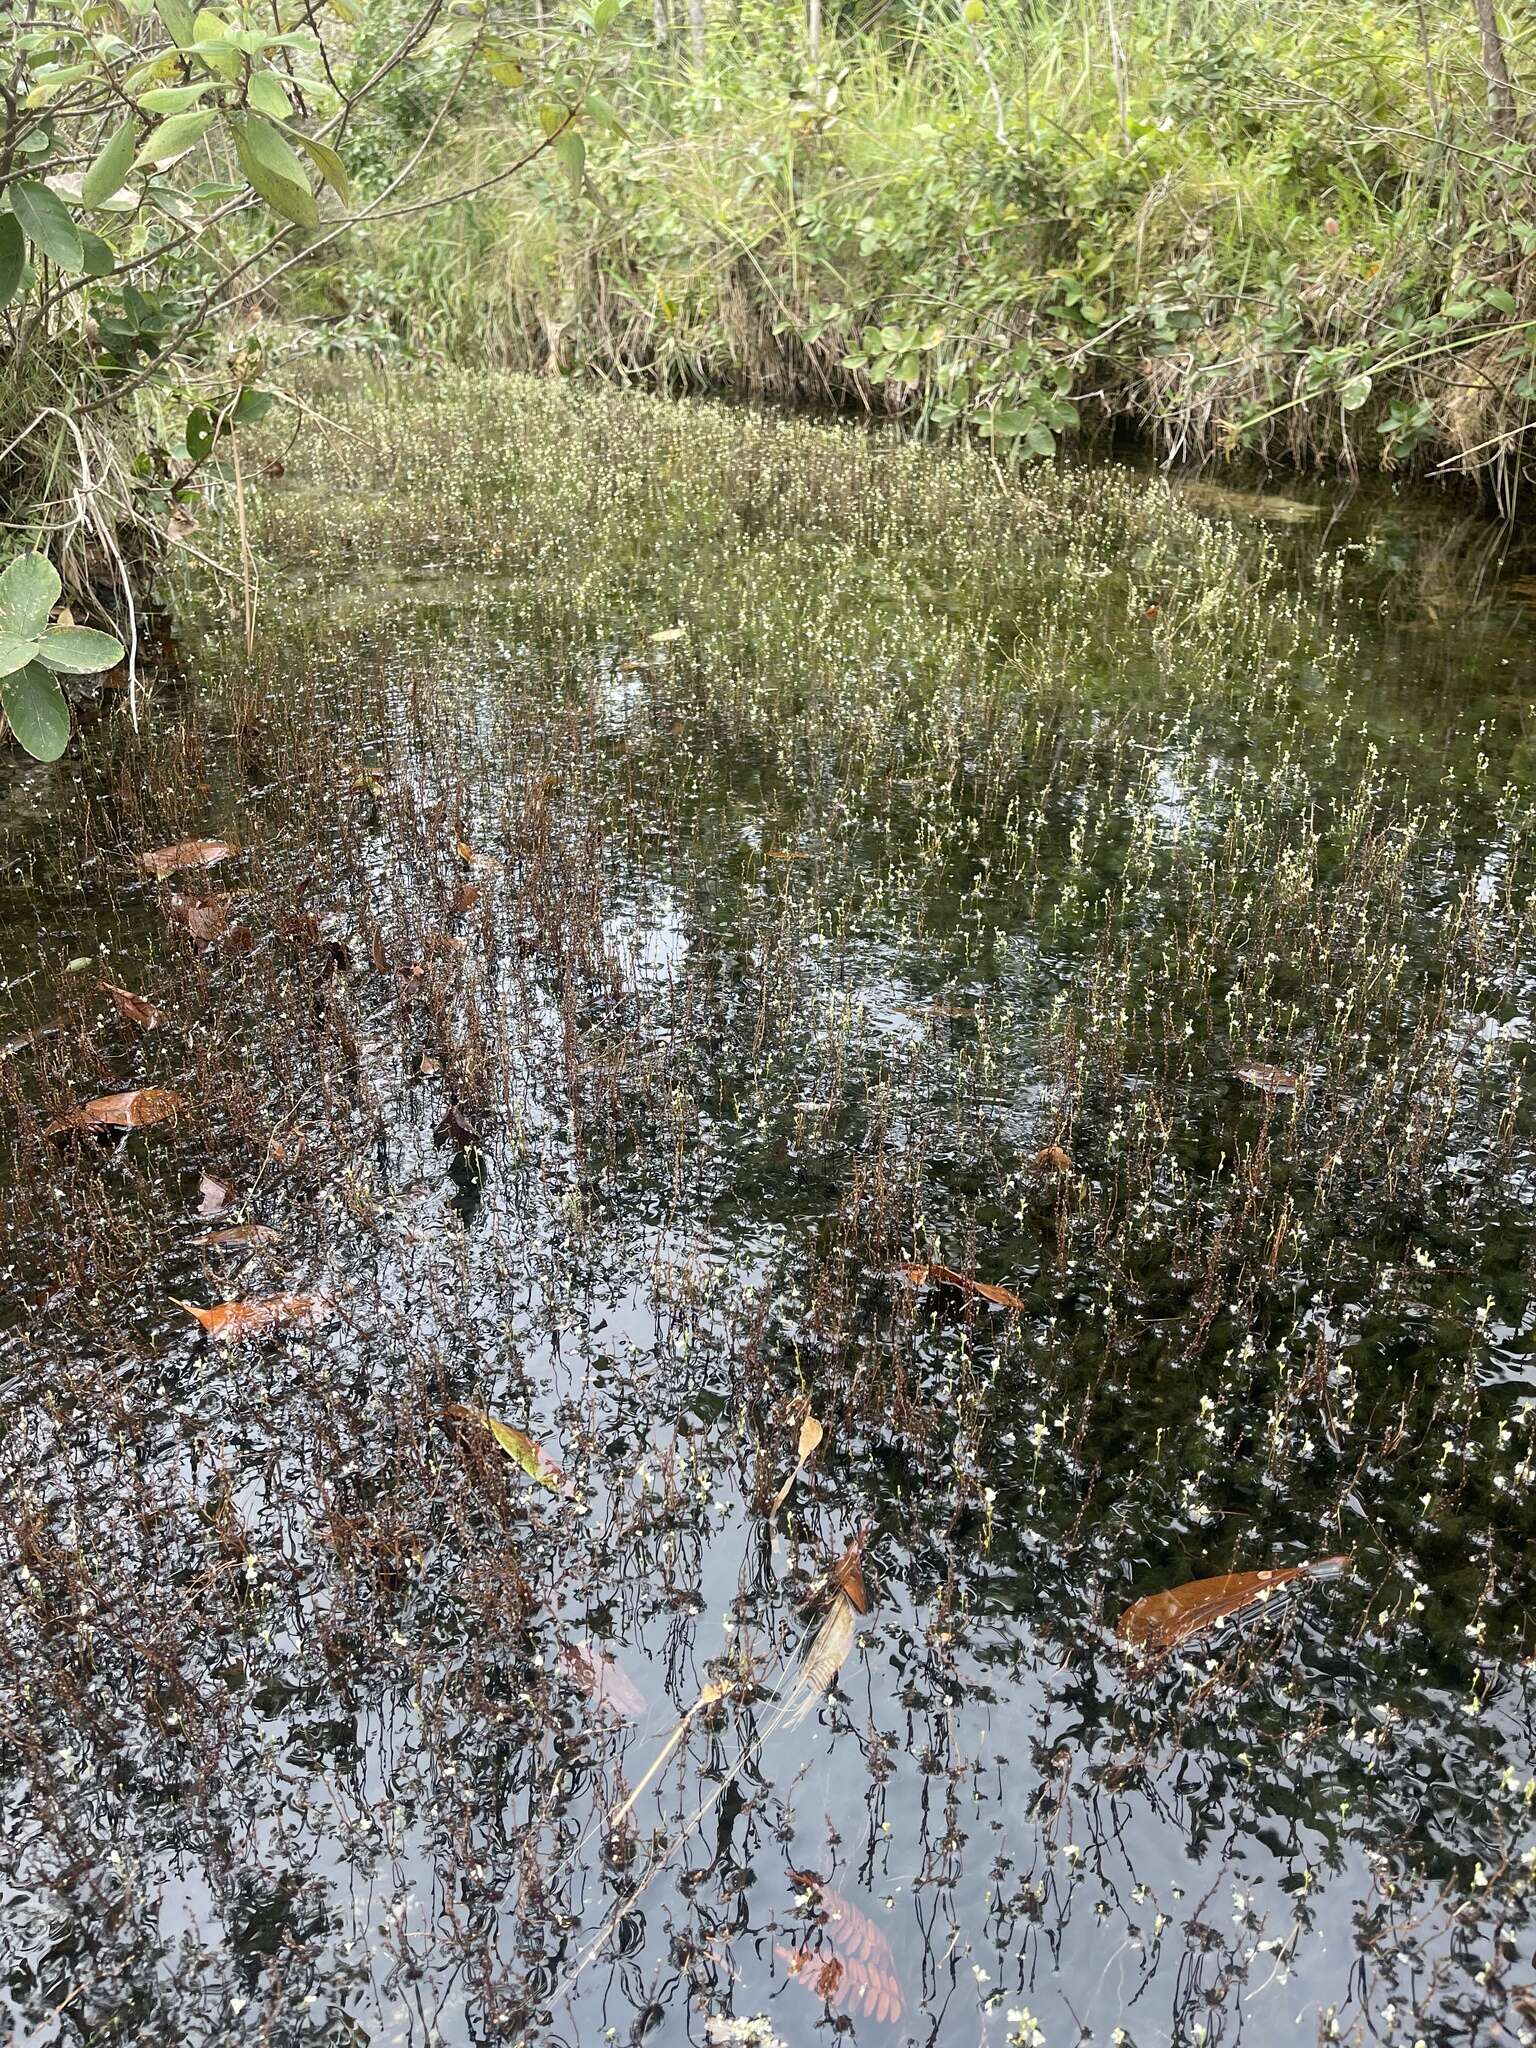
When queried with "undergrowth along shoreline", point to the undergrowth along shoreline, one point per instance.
{"points": [[1231, 232]]}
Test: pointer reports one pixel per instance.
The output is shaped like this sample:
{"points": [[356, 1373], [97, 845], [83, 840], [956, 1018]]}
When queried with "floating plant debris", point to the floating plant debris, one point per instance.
{"points": [[187, 853], [946, 1278], [233, 1320], [1166, 1621], [810, 1438], [1269, 1080], [136, 1009], [132, 1110]]}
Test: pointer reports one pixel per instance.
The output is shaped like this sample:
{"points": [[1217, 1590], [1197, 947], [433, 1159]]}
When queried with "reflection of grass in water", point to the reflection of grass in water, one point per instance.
{"points": [[626, 1149]]}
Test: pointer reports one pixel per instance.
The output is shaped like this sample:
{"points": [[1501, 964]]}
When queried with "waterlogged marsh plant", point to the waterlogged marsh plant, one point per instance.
{"points": [[36, 649]]}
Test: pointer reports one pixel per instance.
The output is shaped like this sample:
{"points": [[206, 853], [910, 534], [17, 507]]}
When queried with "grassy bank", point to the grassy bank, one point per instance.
{"points": [[1281, 230]]}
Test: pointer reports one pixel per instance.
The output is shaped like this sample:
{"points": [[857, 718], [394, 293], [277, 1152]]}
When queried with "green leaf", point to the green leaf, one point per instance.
{"points": [[29, 590], [571, 154], [1502, 301], [13, 257], [47, 223], [327, 163], [34, 705], [602, 112], [266, 95], [173, 99], [200, 434], [272, 170], [79, 651], [97, 257], [212, 41], [173, 138], [252, 405], [15, 652], [113, 163], [178, 18], [1355, 393]]}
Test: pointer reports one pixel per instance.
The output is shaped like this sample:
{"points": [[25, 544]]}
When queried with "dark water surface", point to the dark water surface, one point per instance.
{"points": [[693, 866]]}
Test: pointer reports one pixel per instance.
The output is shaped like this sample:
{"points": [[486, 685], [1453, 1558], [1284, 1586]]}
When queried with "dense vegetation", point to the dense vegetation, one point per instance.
{"points": [[1273, 230], [1279, 228]]}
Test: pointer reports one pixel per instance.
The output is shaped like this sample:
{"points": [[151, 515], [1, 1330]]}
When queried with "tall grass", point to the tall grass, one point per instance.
{"points": [[1275, 228]]}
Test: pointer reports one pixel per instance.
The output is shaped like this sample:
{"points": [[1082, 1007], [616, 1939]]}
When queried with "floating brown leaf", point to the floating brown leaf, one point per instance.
{"points": [[205, 918], [187, 853], [810, 1437], [213, 1195], [1267, 1079], [533, 1459], [238, 1234], [1163, 1621], [131, 1111], [464, 899], [232, 1320], [847, 1575], [604, 1682], [1053, 1159], [816, 1673], [137, 1009], [844, 1980], [959, 1283]]}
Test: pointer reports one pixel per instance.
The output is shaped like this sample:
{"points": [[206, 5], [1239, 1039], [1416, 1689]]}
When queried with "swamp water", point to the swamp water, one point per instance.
{"points": [[698, 871]]}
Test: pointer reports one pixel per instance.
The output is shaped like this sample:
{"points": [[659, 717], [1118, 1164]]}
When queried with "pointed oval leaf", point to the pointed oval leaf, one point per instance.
{"points": [[173, 138], [47, 223], [79, 651], [13, 257], [111, 165], [272, 169], [265, 93], [36, 712], [173, 99], [327, 163]]}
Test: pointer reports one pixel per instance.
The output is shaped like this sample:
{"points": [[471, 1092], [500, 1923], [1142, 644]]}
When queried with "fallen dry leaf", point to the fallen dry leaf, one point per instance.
{"points": [[531, 1457], [848, 1574], [1053, 1159], [205, 918], [232, 1320], [213, 1195], [816, 1673], [465, 899], [1267, 1079], [1163, 1621], [133, 1110], [959, 1283], [137, 1009], [187, 853], [238, 1234], [810, 1437]]}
